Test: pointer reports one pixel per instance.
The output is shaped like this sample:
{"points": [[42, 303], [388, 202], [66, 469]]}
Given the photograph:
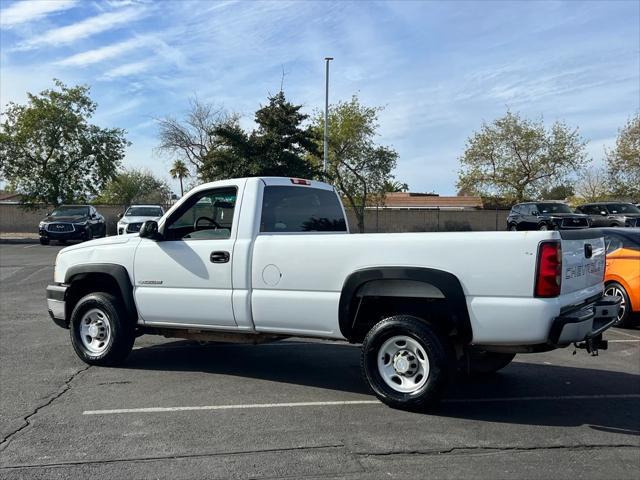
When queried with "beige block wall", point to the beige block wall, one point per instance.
{"points": [[14, 219]]}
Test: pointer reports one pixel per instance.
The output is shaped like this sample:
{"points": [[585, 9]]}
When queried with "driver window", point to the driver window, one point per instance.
{"points": [[207, 215]]}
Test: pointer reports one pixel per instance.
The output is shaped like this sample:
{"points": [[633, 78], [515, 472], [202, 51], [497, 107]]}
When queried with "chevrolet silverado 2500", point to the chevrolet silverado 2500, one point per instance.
{"points": [[259, 259]]}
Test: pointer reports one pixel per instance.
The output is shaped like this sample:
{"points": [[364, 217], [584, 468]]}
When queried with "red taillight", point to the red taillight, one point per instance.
{"points": [[300, 181], [549, 273]]}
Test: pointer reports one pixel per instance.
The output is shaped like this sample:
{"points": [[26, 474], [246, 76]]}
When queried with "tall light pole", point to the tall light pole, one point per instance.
{"points": [[326, 117]]}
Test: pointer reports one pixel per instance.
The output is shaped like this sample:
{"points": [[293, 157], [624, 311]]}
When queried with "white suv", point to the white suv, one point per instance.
{"points": [[136, 215]]}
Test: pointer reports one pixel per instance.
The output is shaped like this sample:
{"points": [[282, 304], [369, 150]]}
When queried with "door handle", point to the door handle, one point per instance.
{"points": [[219, 257]]}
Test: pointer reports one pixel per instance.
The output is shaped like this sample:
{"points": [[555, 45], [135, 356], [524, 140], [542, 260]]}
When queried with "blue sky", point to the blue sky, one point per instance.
{"points": [[439, 68]]}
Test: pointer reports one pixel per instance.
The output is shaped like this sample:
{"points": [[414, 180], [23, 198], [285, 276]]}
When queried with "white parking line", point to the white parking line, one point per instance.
{"points": [[347, 402], [227, 407], [623, 341], [625, 333]]}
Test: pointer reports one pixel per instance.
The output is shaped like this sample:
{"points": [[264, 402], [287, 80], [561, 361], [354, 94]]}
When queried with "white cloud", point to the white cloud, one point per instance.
{"points": [[85, 28], [28, 11], [103, 53], [128, 69]]}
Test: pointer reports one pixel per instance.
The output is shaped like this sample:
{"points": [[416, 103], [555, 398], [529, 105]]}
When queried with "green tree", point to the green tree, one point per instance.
{"points": [[50, 151], [179, 170], [558, 192], [135, 186], [395, 186], [279, 146], [623, 162], [516, 158], [358, 167]]}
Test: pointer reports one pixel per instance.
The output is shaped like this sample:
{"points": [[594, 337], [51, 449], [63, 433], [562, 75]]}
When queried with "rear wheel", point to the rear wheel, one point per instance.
{"points": [[543, 226], [44, 241], [624, 314], [406, 363], [101, 333]]}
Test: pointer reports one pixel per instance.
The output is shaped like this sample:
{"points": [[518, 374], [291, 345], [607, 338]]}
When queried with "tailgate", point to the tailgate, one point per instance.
{"points": [[583, 259]]}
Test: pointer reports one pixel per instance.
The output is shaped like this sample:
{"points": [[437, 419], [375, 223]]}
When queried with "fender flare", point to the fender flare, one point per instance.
{"points": [[117, 272], [446, 282]]}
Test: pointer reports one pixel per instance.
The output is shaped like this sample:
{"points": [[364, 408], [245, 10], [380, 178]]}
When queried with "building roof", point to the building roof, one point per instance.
{"points": [[430, 200], [6, 197]]}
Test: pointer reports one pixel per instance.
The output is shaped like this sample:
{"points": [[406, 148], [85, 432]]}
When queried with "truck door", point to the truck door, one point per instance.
{"points": [[185, 277]]}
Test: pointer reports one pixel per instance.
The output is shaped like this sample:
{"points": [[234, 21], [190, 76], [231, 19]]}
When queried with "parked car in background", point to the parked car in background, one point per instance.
{"points": [[611, 214], [545, 216], [622, 273], [136, 215], [72, 222]]}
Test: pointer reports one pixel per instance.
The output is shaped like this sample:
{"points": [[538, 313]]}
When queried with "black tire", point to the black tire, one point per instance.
{"points": [[479, 362], [88, 235], [543, 226], [437, 351], [512, 228], [121, 329], [44, 241], [625, 320]]}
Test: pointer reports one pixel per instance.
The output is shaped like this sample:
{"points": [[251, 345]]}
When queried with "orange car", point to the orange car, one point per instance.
{"points": [[622, 276]]}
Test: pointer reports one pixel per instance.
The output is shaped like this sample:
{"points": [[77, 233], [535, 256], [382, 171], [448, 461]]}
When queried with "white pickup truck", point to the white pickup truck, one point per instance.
{"points": [[260, 259]]}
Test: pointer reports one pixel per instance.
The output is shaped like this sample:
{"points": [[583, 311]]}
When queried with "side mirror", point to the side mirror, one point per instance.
{"points": [[603, 213], [120, 215], [535, 213], [93, 215], [149, 229]]}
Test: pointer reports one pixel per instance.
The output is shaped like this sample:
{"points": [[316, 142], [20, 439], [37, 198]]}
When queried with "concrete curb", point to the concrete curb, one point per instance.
{"points": [[18, 241]]}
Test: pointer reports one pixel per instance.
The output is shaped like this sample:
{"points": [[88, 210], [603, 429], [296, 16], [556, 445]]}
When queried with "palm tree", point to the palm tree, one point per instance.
{"points": [[179, 170]]}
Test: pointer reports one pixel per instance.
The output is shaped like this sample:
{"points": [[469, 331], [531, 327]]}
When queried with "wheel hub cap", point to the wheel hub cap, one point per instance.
{"points": [[403, 364], [95, 331]]}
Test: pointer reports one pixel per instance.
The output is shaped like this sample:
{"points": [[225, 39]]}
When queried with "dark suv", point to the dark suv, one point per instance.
{"points": [[545, 216], [72, 222], [611, 214]]}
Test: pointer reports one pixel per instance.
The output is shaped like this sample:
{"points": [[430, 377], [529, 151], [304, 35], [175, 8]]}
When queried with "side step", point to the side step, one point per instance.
{"points": [[211, 336]]}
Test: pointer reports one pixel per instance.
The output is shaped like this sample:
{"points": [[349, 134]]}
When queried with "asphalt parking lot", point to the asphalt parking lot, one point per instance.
{"points": [[293, 409]]}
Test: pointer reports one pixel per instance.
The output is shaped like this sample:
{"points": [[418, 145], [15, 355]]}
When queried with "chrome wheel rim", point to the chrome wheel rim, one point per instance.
{"points": [[95, 331], [403, 364], [617, 292], [544, 227]]}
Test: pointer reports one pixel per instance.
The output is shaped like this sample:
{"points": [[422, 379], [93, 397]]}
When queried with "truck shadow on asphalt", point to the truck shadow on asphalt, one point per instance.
{"points": [[517, 388]]}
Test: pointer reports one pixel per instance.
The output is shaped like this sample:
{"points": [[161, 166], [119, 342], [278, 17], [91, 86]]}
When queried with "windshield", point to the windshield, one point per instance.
{"points": [[553, 208], [70, 211], [144, 212], [622, 208]]}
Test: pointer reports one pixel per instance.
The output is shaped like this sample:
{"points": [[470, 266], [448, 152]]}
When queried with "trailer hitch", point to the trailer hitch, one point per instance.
{"points": [[592, 345]]}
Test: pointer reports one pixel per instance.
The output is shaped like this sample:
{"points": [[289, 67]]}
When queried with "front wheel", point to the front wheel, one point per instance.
{"points": [[44, 241], [543, 227], [512, 227], [406, 363], [101, 333], [624, 314]]}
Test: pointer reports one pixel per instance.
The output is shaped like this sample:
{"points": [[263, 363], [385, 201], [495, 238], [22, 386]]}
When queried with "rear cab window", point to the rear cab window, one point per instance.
{"points": [[297, 209]]}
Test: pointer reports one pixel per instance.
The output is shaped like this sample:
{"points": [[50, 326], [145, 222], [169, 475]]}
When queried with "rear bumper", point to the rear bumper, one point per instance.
{"points": [[584, 323], [56, 304]]}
